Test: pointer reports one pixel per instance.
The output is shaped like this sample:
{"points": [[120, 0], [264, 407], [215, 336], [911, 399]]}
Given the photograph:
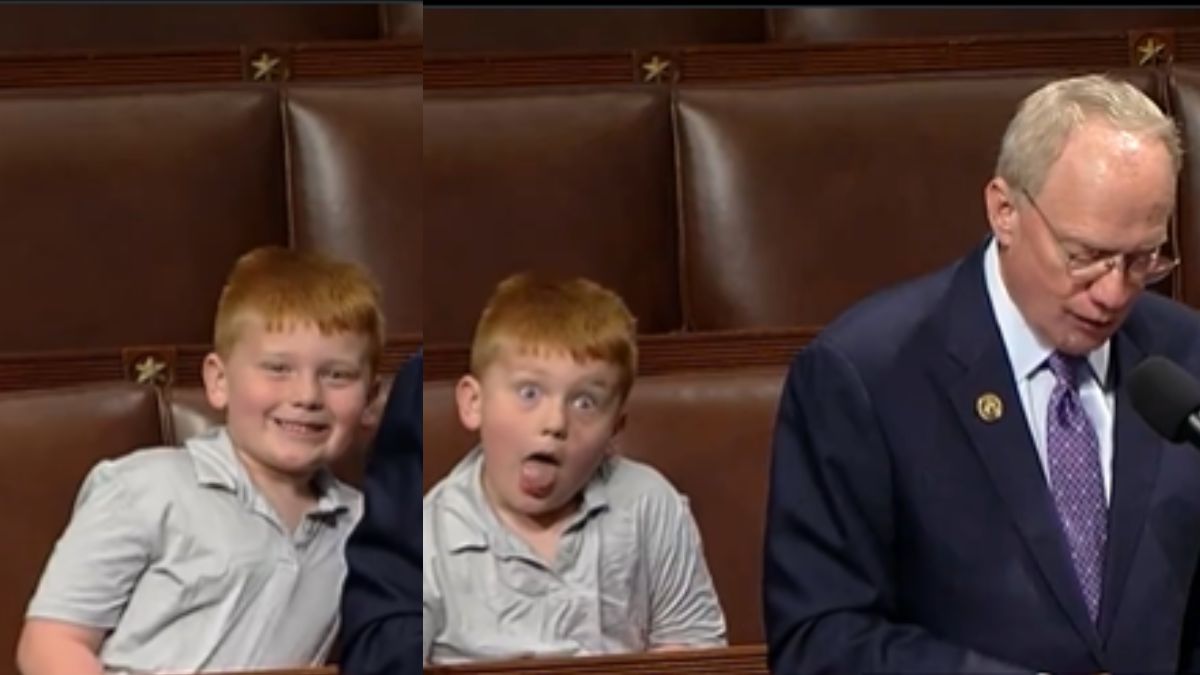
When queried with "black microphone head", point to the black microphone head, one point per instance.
{"points": [[1164, 395]]}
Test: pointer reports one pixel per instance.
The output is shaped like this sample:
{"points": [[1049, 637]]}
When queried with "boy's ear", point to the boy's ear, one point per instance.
{"points": [[617, 429], [620, 425], [373, 413], [468, 394], [216, 385]]}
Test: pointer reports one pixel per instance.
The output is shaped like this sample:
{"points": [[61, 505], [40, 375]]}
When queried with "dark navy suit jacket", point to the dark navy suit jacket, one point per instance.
{"points": [[381, 600], [907, 534]]}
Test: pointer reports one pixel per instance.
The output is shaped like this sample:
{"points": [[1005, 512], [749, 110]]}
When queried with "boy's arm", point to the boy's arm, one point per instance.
{"points": [[88, 579], [383, 555], [684, 609], [49, 647]]}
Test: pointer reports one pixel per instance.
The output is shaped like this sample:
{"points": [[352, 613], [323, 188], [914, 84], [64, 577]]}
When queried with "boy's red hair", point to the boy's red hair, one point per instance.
{"points": [[576, 316]]}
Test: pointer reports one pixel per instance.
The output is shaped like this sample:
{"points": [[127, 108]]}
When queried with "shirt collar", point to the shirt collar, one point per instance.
{"points": [[473, 523], [217, 466], [1026, 352]]}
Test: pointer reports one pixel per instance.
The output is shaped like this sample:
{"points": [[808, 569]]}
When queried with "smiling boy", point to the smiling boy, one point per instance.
{"points": [[226, 553]]}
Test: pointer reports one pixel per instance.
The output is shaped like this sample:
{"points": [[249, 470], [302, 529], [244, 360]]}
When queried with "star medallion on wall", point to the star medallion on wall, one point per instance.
{"points": [[149, 370], [655, 69], [1150, 50], [265, 67]]}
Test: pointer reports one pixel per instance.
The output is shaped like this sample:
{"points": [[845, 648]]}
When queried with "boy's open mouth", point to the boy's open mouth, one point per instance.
{"points": [[539, 471]]}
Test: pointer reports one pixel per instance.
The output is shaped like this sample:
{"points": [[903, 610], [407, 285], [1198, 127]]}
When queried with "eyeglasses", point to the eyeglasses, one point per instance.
{"points": [[1143, 267]]}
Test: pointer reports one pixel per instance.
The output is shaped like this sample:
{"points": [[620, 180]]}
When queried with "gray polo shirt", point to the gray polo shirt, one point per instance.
{"points": [[629, 574], [179, 555]]}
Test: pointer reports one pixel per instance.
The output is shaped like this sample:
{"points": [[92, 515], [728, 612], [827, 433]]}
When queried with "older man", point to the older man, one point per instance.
{"points": [[959, 483]]}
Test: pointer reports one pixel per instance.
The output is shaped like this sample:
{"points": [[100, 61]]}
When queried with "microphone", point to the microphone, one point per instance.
{"points": [[1168, 398]]}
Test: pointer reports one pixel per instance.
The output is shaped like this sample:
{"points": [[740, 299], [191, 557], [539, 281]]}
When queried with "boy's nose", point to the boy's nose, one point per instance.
{"points": [[554, 422], [306, 392]]}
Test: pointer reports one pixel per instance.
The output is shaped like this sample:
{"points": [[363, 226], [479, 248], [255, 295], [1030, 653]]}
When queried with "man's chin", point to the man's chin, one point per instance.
{"points": [[1082, 336]]}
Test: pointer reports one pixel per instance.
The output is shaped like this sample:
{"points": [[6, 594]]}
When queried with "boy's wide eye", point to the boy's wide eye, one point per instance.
{"points": [[585, 402], [527, 392]]}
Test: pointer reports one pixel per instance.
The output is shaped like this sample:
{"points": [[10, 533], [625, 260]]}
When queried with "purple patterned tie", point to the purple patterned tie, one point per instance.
{"points": [[1073, 456]]}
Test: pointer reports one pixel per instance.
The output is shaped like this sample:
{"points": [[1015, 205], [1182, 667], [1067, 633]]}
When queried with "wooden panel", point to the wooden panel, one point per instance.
{"points": [[527, 29], [297, 62], [757, 61], [220, 65], [41, 370], [484, 71], [355, 59], [672, 353], [28, 26]]}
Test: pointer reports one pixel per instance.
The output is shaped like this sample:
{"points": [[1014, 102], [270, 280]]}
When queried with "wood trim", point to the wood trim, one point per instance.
{"points": [[887, 57], [671, 353], [739, 660], [75, 69], [344, 59], [529, 69], [356, 59], [45, 370], [702, 63], [709, 63]]}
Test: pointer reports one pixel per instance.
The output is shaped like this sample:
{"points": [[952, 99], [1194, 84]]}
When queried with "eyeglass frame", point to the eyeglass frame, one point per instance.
{"points": [[1091, 271]]}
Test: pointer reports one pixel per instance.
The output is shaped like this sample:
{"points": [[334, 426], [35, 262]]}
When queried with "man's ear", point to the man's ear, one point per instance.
{"points": [[1000, 200], [216, 384], [468, 394]]}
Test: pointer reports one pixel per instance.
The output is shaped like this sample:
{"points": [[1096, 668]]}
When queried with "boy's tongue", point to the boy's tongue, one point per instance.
{"points": [[537, 477]]}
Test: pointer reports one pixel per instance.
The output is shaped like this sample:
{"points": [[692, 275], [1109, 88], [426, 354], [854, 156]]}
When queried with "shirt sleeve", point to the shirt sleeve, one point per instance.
{"points": [[683, 605], [100, 556], [433, 610]]}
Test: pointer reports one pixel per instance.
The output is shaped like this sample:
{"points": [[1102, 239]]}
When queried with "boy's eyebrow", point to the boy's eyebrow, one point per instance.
{"points": [[335, 361], [599, 383], [594, 381]]}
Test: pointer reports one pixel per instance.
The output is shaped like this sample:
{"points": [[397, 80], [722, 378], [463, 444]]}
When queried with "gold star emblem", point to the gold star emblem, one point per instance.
{"points": [[265, 66], [149, 370], [1149, 50], [655, 69]]}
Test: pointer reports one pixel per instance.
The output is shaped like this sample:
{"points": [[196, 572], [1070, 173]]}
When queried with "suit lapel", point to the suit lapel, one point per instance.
{"points": [[1004, 446], [1136, 455]]}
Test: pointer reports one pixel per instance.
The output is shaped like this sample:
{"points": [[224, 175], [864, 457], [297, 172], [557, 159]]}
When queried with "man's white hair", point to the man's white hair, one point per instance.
{"points": [[1037, 134]]}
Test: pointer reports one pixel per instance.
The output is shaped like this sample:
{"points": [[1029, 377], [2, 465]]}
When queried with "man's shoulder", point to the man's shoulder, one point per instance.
{"points": [[874, 328], [1160, 325], [1157, 317]]}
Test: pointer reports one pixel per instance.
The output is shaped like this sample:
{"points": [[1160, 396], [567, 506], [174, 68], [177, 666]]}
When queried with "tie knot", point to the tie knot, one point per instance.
{"points": [[1065, 368]]}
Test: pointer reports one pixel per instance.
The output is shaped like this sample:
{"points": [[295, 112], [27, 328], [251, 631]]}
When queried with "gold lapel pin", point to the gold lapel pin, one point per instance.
{"points": [[989, 407]]}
